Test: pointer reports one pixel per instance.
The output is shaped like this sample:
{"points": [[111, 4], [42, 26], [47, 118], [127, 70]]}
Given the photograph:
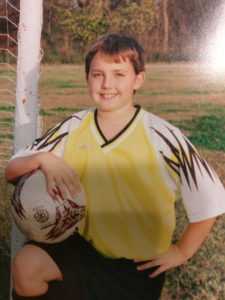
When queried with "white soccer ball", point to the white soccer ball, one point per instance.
{"points": [[41, 217]]}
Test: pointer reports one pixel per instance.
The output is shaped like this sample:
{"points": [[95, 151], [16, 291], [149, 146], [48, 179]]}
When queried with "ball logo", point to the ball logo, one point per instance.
{"points": [[41, 216]]}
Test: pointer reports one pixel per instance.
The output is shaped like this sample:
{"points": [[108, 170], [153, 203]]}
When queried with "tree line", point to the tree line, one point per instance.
{"points": [[168, 29]]}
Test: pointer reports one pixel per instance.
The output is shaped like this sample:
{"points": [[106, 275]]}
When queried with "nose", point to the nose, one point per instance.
{"points": [[107, 82]]}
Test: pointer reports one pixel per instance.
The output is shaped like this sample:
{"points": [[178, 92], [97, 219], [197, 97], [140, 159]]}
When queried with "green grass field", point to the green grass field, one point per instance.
{"points": [[189, 96]]}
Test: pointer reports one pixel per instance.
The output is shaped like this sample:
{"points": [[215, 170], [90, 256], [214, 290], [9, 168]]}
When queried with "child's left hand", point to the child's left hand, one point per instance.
{"points": [[176, 255], [173, 257]]}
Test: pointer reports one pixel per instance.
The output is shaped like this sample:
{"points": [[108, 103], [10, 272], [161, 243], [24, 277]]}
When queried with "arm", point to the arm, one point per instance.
{"points": [[178, 254], [56, 171], [194, 236], [21, 166]]}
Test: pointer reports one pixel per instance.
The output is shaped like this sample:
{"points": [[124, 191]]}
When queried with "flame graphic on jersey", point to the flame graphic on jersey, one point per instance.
{"points": [[46, 139], [186, 159]]}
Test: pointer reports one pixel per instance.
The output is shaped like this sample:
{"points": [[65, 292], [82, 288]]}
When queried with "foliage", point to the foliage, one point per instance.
{"points": [[78, 27], [134, 19], [70, 27], [84, 25]]}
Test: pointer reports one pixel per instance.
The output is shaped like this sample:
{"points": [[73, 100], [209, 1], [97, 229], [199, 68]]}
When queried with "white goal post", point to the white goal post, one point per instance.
{"points": [[27, 100]]}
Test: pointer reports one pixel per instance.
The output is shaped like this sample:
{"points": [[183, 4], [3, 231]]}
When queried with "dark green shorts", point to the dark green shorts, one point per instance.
{"points": [[88, 275]]}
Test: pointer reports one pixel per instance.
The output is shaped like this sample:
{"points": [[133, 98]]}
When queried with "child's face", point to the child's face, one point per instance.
{"points": [[111, 84]]}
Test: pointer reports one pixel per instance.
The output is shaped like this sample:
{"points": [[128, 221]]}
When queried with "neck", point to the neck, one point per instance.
{"points": [[118, 115], [111, 123]]}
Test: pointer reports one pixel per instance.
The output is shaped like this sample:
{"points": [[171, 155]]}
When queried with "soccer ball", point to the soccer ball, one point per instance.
{"points": [[43, 218]]}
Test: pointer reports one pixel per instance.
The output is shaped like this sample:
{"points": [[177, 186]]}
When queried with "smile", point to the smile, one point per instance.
{"points": [[108, 96]]}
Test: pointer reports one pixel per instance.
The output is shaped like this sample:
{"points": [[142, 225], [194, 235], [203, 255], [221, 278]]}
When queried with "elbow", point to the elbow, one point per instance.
{"points": [[7, 176]]}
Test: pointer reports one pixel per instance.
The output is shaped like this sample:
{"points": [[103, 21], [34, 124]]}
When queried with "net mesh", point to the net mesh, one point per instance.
{"points": [[9, 18]]}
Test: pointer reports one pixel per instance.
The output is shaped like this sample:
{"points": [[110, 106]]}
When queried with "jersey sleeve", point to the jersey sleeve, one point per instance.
{"points": [[200, 188], [202, 192], [54, 139]]}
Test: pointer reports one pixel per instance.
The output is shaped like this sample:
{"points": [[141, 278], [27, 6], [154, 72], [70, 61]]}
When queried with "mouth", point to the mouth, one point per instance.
{"points": [[108, 96]]}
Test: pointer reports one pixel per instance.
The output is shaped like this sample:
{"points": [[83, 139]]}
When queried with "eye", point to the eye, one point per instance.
{"points": [[96, 74], [120, 74]]}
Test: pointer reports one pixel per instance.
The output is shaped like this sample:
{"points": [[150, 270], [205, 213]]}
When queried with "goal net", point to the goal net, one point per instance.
{"points": [[8, 58]]}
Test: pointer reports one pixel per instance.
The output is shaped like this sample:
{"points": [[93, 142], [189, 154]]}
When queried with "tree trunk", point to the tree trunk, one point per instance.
{"points": [[165, 26]]}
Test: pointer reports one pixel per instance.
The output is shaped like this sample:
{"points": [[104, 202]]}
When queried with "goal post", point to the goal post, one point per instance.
{"points": [[28, 64], [26, 124]]}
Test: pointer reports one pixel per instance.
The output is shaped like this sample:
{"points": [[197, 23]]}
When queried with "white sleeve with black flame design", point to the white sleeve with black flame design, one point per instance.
{"points": [[54, 139], [202, 192]]}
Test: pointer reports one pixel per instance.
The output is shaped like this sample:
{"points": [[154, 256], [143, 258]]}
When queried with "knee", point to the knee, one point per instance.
{"points": [[27, 278]]}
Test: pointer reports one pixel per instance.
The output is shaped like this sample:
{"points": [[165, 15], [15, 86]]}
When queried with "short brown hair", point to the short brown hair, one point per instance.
{"points": [[117, 46]]}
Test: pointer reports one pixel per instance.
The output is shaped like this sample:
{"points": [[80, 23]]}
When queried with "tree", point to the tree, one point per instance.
{"points": [[175, 28], [80, 22], [134, 18], [85, 25]]}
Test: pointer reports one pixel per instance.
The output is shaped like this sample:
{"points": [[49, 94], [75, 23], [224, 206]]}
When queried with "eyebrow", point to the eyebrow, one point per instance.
{"points": [[116, 70]]}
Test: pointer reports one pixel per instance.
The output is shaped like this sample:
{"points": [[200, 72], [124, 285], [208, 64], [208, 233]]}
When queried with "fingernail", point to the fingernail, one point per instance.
{"points": [[51, 193]]}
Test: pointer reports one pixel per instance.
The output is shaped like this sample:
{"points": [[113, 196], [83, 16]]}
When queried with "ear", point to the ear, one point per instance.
{"points": [[140, 78]]}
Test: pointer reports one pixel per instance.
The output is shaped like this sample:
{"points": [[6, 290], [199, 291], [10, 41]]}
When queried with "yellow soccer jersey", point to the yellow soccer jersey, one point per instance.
{"points": [[133, 181]]}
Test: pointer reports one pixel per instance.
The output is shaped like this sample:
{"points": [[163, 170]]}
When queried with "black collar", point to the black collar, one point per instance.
{"points": [[107, 142]]}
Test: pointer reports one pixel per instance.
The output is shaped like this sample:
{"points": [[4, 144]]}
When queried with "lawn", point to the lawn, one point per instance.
{"points": [[189, 96]]}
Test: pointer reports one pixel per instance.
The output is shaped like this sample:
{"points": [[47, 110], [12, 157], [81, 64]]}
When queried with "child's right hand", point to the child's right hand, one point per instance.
{"points": [[59, 175]]}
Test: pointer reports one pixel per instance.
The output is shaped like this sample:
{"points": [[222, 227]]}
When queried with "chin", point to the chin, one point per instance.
{"points": [[107, 106]]}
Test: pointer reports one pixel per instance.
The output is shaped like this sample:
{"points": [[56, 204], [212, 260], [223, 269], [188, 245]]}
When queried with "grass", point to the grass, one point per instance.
{"points": [[4, 240], [59, 84], [6, 136], [203, 277], [188, 96], [206, 131], [194, 91], [65, 109], [7, 108], [7, 72]]}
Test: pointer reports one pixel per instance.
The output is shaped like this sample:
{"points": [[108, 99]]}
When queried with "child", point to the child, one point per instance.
{"points": [[133, 166]]}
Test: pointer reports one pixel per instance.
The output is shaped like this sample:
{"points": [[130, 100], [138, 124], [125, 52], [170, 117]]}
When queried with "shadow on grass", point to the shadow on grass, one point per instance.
{"points": [[5, 269], [5, 228]]}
